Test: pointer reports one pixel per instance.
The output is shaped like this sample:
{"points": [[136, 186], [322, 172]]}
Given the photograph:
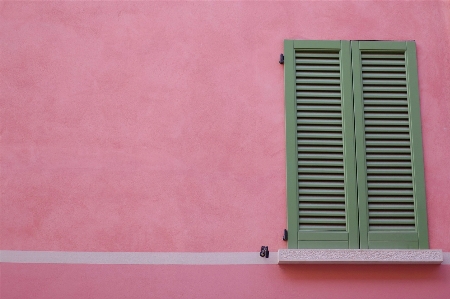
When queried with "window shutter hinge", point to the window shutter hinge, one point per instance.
{"points": [[285, 235], [281, 59]]}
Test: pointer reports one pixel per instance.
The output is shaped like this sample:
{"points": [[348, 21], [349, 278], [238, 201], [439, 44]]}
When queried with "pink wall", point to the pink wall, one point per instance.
{"points": [[159, 126], [228, 281]]}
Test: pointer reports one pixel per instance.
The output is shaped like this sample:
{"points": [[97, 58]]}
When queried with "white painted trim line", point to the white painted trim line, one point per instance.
{"points": [[446, 258], [133, 258], [145, 258]]}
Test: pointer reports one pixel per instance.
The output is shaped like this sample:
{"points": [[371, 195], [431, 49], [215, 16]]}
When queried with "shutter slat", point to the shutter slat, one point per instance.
{"points": [[383, 62], [321, 149], [398, 192], [369, 109], [390, 157], [327, 177], [335, 115], [390, 221], [320, 135], [319, 206], [387, 129], [390, 76], [389, 186], [320, 122], [389, 150], [382, 82], [392, 214], [310, 163], [326, 219], [304, 191], [317, 75], [384, 95], [304, 212], [383, 69], [387, 200], [319, 94], [384, 88], [316, 61], [322, 81], [318, 87], [321, 184], [385, 135], [392, 207], [322, 170], [388, 171], [390, 178], [306, 101], [382, 103], [318, 108], [319, 142], [320, 129], [312, 68], [384, 56], [386, 123], [324, 54], [390, 228], [308, 227], [335, 198], [336, 156], [387, 143]]}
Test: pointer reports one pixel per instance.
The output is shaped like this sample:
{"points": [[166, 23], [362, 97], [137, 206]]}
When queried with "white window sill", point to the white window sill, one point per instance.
{"points": [[359, 256]]}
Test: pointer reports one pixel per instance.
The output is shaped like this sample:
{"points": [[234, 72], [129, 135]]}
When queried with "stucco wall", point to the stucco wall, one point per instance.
{"points": [[226, 281], [159, 126]]}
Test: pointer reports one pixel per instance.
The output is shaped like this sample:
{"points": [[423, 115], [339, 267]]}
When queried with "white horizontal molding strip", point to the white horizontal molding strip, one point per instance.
{"points": [[145, 258], [360, 256]]}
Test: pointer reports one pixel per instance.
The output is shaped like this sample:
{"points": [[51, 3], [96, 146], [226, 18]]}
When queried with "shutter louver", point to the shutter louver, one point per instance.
{"points": [[355, 174], [388, 152], [386, 187], [319, 141], [319, 128]]}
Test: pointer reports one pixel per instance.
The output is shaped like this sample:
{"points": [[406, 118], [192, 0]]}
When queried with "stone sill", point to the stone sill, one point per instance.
{"points": [[359, 256]]}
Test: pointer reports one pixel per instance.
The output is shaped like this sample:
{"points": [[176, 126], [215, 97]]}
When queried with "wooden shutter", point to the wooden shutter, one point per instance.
{"points": [[391, 190], [321, 169]]}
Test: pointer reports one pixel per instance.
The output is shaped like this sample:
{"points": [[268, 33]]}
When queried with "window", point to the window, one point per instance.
{"points": [[355, 174]]}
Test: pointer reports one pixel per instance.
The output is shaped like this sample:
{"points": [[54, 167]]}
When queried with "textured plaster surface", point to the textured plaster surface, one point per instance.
{"points": [[251, 281], [159, 126]]}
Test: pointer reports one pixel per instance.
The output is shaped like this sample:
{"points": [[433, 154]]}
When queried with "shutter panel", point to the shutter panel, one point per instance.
{"points": [[321, 185], [391, 190]]}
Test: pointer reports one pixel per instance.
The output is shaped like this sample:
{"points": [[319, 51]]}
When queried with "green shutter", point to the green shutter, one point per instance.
{"points": [[321, 169], [391, 189]]}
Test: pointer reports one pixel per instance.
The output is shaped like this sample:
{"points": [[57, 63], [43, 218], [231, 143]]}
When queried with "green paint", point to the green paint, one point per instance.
{"points": [[354, 150], [416, 145]]}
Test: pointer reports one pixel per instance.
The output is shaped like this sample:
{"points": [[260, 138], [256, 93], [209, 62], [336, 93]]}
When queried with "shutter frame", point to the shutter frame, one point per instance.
{"points": [[316, 238], [354, 152], [417, 145], [291, 146], [389, 238]]}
